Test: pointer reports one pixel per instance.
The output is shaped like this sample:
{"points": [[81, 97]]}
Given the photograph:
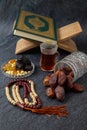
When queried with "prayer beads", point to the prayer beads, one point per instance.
{"points": [[28, 87]]}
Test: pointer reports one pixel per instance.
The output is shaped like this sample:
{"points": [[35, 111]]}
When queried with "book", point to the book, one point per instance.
{"points": [[35, 26]]}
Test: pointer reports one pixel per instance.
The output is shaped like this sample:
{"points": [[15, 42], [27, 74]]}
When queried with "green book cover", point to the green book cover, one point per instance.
{"points": [[35, 26]]}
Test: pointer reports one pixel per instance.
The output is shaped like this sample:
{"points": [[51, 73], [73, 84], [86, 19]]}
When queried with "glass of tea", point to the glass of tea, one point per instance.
{"points": [[48, 57]]}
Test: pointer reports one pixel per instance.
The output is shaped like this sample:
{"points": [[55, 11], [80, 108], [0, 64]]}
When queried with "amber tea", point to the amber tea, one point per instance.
{"points": [[48, 56]]}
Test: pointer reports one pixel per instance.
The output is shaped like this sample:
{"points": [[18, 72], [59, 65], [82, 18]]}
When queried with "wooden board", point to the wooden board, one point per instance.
{"points": [[69, 31], [68, 45], [23, 45]]}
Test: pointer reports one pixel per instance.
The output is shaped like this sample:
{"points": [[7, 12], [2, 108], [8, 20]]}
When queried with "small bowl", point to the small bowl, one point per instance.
{"points": [[18, 76]]}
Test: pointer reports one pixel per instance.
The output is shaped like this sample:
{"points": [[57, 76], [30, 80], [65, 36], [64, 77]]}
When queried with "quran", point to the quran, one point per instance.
{"points": [[35, 27]]}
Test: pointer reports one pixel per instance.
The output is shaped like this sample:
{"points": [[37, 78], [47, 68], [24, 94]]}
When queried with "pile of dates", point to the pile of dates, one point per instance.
{"points": [[24, 63], [59, 82]]}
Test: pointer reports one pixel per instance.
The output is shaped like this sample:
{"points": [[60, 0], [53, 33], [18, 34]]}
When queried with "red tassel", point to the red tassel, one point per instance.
{"points": [[51, 110]]}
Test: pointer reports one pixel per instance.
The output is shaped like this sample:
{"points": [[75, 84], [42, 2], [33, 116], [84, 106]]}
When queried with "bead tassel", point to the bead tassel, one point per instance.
{"points": [[57, 110]]}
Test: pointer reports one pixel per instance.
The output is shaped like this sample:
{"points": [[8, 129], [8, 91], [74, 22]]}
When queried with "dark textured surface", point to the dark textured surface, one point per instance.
{"points": [[64, 12]]}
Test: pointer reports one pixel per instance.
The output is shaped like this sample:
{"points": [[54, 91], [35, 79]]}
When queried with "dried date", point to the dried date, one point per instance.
{"points": [[69, 82], [61, 78], [60, 93], [53, 80], [67, 70], [46, 81], [50, 92], [77, 87]]}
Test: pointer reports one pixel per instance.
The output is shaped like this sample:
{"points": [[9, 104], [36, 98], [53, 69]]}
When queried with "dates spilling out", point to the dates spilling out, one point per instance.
{"points": [[59, 82]]}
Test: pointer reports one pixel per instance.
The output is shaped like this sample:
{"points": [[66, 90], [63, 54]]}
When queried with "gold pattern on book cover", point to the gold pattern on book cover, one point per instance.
{"points": [[36, 24]]}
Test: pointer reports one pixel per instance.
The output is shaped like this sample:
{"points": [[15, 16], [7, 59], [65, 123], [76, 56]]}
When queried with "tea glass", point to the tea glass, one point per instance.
{"points": [[48, 56]]}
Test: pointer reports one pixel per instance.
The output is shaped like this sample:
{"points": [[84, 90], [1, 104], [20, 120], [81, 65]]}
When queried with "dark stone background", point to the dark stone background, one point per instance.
{"points": [[64, 12]]}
